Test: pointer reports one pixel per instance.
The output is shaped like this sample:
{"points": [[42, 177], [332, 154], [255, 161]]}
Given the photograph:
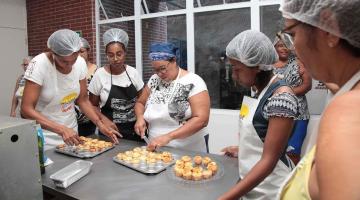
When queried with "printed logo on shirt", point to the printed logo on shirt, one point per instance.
{"points": [[30, 68], [244, 111], [67, 103]]}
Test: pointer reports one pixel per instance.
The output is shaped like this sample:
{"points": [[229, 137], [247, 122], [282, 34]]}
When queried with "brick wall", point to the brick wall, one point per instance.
{"points": [[46, 16]]}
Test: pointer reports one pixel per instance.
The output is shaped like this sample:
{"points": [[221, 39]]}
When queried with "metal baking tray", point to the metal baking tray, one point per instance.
{"points": [[71, 173], [72, 151], [144, 167]]}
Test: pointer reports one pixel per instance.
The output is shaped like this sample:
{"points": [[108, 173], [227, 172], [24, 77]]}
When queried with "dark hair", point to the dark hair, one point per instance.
{"points": [[355, 51], [263, 78], [122, 45]]}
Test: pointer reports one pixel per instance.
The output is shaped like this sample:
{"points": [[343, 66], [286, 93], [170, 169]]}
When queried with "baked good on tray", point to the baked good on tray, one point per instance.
{"points": [[196, 168]]}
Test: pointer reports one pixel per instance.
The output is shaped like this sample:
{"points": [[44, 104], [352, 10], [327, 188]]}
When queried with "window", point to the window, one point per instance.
{"points": [[109, 9], [200, 3], [270, 20], [213, 31], [154, 6]]}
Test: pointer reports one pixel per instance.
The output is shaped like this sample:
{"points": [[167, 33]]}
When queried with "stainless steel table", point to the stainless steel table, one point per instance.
{"points": [[109, 180]]}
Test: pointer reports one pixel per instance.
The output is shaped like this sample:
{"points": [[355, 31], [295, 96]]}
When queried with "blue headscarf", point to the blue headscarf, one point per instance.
{"points": [[162, 51]]}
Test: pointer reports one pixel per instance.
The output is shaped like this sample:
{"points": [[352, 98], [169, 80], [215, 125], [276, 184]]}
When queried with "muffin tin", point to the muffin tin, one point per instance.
{"points": [[197, 166], [90, 148], [147, 162]]}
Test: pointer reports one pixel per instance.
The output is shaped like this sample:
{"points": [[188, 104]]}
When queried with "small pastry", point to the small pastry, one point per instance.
{"points": [[166, 159], [129, 153], [187, 174], [178, 171], [127, 159], [206, 160], [136, 155], [196, 176], [137, 149], [213, 167], [207, 174], [197, 160], [60, 146], [186, 158], [120, 156], [197, 169], [179, 163]]}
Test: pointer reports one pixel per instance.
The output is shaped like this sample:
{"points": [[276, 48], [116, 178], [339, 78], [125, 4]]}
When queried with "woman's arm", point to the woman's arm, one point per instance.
{"points": [[200, 108], [277, 136], [29, 100], [90, 111], [338, 151], [306, 80], [14, 101], [140, 125]]}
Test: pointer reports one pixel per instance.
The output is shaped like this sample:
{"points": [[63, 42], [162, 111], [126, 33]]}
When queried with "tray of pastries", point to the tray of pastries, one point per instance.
{"points": [[87, 149], [144, 161], [196, 169]]}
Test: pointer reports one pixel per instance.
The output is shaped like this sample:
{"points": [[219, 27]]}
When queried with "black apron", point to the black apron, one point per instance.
{"points": [[119, 108]]}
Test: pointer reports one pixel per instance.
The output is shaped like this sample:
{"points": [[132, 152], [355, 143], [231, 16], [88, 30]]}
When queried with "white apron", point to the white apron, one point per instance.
{"points": [[160, 123], [345, 88], [251, 148], [61, 107]]}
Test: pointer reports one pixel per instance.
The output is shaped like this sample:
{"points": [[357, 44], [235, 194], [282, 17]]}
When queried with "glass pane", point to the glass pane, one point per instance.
{"points": [[213, 31], [162, 29], [154, 6], [270, 20], [116, 8], [199, 3], [130, 52]]}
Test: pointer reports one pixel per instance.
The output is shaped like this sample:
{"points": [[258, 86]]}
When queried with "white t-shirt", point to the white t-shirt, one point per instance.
{"points": [[167, 108], [58, 92], [100, 84]]}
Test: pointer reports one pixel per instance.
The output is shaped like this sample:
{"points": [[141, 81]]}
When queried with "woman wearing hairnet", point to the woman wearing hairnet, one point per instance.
{"points": [[85, 126], [116, 86], [326, 36], [175, 104], [265, 123], [54, 81]]}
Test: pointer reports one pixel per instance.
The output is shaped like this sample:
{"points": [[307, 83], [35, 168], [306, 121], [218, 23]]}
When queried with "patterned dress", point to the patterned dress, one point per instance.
{"points": [[291, 74]]}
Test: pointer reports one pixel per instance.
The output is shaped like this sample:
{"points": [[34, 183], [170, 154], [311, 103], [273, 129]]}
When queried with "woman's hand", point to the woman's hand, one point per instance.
{"points": [[140, 126], [108, 131], [108, 123], [13, 114], [231, 151], [69, 136], [159, 142]]}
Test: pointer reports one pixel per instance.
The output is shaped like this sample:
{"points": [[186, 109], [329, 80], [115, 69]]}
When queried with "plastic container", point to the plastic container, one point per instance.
{"points": [[71, 173]]}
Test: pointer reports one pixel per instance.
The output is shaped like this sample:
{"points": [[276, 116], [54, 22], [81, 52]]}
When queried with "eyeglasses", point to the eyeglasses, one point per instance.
{"points": [[162, 69], [286, 37]]}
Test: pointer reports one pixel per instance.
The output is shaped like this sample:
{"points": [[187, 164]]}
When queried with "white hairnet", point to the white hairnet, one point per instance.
{"points": [[84, 43], [116, 35], [252, 48], [338, 17], [64, 42]]}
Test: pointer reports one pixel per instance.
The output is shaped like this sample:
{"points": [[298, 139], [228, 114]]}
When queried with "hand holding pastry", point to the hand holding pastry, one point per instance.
{"points": [[69, 136], [108, 123], [231, 151], [159, 142], [140, 126], [108, 131]]}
